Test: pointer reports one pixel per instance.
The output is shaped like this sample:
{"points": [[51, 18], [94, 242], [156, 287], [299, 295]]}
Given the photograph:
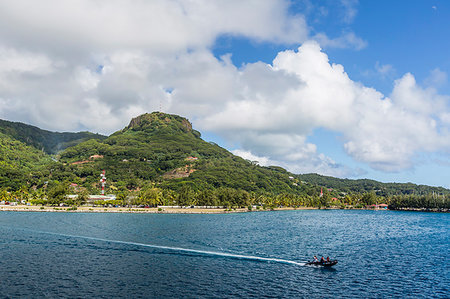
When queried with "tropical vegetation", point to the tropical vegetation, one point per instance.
{"points": [[159, 159]]}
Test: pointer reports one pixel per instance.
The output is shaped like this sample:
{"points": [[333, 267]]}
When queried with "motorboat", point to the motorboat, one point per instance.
{"points": [[323, 263]]}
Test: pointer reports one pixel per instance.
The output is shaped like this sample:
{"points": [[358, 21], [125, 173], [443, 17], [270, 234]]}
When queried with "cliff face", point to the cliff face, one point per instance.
{"points": [[159, 120]]}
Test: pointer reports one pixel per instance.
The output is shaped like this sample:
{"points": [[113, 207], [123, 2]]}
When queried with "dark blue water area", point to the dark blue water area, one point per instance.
{"points": [[83, 255]]}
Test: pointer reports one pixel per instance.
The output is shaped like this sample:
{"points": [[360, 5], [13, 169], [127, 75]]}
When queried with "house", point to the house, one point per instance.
{"points": [[75, 187], [94, 198], [381, 206]]}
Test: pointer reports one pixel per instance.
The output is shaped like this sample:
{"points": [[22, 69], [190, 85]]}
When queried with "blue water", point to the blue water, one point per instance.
{"points": [[251, 255]]}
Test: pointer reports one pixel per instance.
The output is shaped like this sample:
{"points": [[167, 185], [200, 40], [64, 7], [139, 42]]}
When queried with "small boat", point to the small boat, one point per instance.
{"points": [[323, 264]]}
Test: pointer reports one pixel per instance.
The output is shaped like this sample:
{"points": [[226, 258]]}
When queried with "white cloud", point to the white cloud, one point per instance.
{"points": [[67, 27], [263, 161], [13, 61], [346, 40], [384, 70], [95, 65], [437, 78], [317, 163], [350, 9], [384, 132]]}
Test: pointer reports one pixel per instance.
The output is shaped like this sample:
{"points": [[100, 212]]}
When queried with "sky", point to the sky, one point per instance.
{"points": [[347, 88]]}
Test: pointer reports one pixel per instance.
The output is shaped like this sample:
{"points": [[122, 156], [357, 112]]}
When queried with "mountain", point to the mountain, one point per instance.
{"points": [[49, 142], [165, 149]]}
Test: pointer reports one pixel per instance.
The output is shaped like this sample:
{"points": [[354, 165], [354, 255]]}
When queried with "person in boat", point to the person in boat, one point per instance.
{"points": [[315, 259], [322, 259], [328, 258]]}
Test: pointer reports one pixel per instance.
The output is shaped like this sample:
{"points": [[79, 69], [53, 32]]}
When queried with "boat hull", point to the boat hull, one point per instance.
{"points": [[323, 264]]}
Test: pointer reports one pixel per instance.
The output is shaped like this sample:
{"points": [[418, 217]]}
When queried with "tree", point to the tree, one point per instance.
{"points": [[123, 196], [150, 196], [82, 197], [5, 195], [369, 198], [186, 196], [57, 193]]}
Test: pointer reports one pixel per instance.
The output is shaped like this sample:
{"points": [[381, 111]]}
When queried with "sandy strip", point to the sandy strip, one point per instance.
{"points": [[24, 208]]}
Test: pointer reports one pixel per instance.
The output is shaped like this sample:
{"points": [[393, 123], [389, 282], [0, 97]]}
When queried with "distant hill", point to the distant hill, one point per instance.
{"points": [[366, 185], [18, 161], [49, 142]]}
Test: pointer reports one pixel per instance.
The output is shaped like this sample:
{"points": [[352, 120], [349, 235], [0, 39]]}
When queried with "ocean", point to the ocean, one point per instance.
{"points": [[242, 255]]}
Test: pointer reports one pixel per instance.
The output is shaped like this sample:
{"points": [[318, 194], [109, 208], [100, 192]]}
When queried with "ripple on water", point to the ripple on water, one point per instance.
{"points": [[381, 254]]}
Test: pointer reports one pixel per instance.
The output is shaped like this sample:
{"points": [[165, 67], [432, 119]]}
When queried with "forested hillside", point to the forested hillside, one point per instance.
{"points": [[165, 149], [50, 142], [19, 163], [365, 185], [160, 159]]}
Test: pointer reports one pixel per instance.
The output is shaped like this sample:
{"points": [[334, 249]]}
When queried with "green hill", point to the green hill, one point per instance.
{"points": [[50, 142], [165, 149], [365, 185], [19, 163]]}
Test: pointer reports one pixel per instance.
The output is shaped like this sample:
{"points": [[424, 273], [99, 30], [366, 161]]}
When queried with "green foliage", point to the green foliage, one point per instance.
{"points": [[150, 163], [430, 201], [365, 185], [57, 193], [18, 161], [49, 142], [369, 198], [82, 197]]}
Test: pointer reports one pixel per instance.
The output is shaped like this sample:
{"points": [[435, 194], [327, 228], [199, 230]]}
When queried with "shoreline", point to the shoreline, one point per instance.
{"points": [[178, 210], [85, 209]]}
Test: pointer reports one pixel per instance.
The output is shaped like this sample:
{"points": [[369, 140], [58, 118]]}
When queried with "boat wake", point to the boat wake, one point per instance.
{"points": [[180, 249]]}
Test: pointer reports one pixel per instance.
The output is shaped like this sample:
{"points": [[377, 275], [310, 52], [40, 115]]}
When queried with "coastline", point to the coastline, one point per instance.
{"points": [[178, 210], [25, 208]]}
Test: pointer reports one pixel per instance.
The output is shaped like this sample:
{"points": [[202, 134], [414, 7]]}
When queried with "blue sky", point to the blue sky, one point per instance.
{"points": [[353, 89], [403, 36], [411, 36]]}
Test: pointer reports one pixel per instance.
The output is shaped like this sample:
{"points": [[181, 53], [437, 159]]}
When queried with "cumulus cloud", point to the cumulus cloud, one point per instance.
{"points": [[14, 61], [160, 26], [385, 132], [96, 64], [315, 163]]}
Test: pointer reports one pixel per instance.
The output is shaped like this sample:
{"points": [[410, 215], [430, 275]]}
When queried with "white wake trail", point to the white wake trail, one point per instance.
{"points": [[205, 252]]}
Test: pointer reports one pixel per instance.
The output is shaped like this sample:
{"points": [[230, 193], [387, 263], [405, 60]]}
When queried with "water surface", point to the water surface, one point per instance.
{"points": [[380, 253]]}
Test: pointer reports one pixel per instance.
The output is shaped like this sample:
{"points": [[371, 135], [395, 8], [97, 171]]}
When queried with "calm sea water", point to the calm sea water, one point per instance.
{"points": [[251, 255]]}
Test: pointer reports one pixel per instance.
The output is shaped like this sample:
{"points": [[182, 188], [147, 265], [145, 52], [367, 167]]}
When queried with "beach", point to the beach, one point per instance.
{"points": [[154, 210]]}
